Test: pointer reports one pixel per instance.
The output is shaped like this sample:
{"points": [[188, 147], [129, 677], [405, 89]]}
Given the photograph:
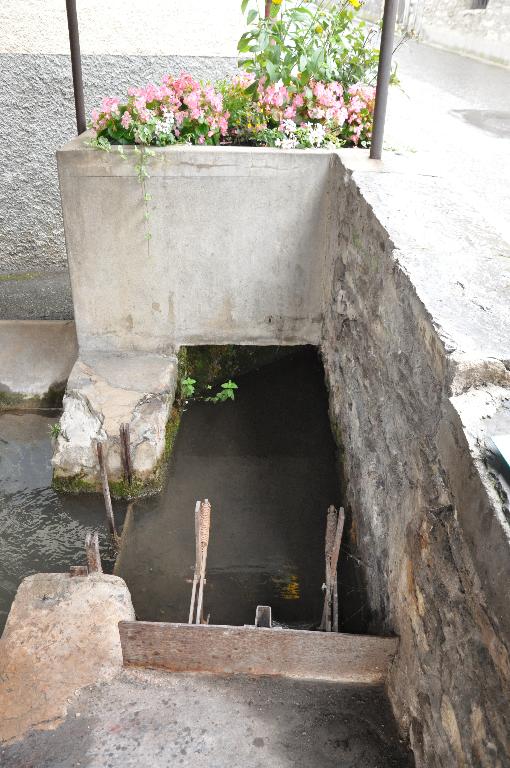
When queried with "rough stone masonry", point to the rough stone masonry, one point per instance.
{"points": [[416, 348]]}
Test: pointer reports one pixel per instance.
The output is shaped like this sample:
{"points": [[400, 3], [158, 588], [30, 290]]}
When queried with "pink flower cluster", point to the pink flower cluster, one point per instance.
{"points": [[182, 103], [323, 102], [360, 104]]}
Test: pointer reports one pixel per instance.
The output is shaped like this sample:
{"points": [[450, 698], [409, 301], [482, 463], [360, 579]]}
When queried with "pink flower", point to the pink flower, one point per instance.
{"points": [[126, 120]]}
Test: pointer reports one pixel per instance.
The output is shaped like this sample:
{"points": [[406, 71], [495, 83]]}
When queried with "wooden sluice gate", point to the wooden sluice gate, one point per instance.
{"points": [[261, 648]]}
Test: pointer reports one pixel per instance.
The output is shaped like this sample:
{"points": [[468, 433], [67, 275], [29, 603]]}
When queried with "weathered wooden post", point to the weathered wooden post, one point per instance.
{"points": [[197, 562], [205, 524], [334, 530]]}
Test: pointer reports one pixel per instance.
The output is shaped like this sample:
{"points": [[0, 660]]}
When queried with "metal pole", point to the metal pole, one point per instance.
{"points": [[74, 42], [383, 77]]}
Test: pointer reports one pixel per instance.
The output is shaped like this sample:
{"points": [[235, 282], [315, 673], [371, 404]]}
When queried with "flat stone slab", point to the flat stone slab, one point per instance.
{"points": [[61, 635], [36, 296], [143, 719]]}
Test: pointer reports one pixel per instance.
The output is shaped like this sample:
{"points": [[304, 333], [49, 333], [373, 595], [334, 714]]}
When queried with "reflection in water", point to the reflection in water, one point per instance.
{"points": [[267, 464], [40, 531]]}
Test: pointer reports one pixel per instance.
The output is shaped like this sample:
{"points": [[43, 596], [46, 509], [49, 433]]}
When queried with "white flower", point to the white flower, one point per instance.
{"points": [[166, 124], [316, 133], [289, 126]]}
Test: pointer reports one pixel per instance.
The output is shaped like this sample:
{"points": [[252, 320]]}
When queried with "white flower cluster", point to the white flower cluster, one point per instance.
{"points": [[166, 125], [316, 133], [306, 135]]}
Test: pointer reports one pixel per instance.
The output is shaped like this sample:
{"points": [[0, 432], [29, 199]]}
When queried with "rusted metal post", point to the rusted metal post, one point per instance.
{"points": [[267, 9], [125, 453], [106, 490], [92, 551], [74, 43], [383, 77]]}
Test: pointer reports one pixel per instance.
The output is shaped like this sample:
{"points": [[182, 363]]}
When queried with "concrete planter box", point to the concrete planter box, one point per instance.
{"points": [[238, 254]]}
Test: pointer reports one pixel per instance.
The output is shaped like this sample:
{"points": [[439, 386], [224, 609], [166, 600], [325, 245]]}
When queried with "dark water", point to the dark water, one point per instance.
{"points": [[267, 464], [39, 529]]}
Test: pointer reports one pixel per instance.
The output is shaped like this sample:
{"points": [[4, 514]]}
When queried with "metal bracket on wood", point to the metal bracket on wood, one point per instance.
{"points": [[263, 616], [78, 570]]}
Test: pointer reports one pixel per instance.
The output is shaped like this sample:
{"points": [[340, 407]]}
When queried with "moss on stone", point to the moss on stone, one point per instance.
{"points": [[121, 489], [73, 484], [172, 427], [213, 364]]}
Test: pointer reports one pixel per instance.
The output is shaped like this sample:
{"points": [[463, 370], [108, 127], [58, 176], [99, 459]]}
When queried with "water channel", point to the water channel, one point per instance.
{"points": [[267, 462]]}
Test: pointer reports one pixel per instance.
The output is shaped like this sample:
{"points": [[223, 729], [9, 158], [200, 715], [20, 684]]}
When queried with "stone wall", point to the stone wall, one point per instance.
{"points": [[413, 398], [457, 25]]}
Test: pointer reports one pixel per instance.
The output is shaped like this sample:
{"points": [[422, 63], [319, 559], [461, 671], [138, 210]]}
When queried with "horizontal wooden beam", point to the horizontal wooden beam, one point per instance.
{"points": [[256, 651]]}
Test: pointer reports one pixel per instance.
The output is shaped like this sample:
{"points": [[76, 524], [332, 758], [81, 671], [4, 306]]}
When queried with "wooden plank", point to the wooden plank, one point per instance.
{"points": [[256, 651]]}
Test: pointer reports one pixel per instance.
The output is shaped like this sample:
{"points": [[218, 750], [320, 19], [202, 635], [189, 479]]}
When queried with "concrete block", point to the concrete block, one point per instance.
{"points": [[36, 357], [103, 392]]}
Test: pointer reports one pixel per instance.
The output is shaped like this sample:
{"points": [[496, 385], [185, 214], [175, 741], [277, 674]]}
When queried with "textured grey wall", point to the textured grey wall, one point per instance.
{"points": [[37, 108]]}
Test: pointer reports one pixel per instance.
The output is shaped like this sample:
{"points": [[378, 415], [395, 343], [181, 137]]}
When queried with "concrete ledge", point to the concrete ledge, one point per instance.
{"points": [[36, 358], [61, 635]]}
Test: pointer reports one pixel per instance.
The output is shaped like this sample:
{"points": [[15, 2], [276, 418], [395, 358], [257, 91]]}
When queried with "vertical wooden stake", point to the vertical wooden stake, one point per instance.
{"points": [[125, 453], [197, 562], [204, 526], [106, 490], [92, 551], [334, 530]]}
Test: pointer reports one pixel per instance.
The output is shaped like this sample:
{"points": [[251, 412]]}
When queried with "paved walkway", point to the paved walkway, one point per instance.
{"points": [[452, 117], [146, 719]]}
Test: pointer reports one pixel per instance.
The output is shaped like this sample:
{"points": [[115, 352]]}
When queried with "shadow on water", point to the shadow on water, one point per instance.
{"points": [[267, 464], [40, 530]]}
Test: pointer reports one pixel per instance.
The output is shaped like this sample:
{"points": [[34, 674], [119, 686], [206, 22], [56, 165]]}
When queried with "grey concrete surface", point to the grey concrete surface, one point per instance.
{"points": [[36, 358], [238, 250], [36, 296], [450, 116], [146, 719]]}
